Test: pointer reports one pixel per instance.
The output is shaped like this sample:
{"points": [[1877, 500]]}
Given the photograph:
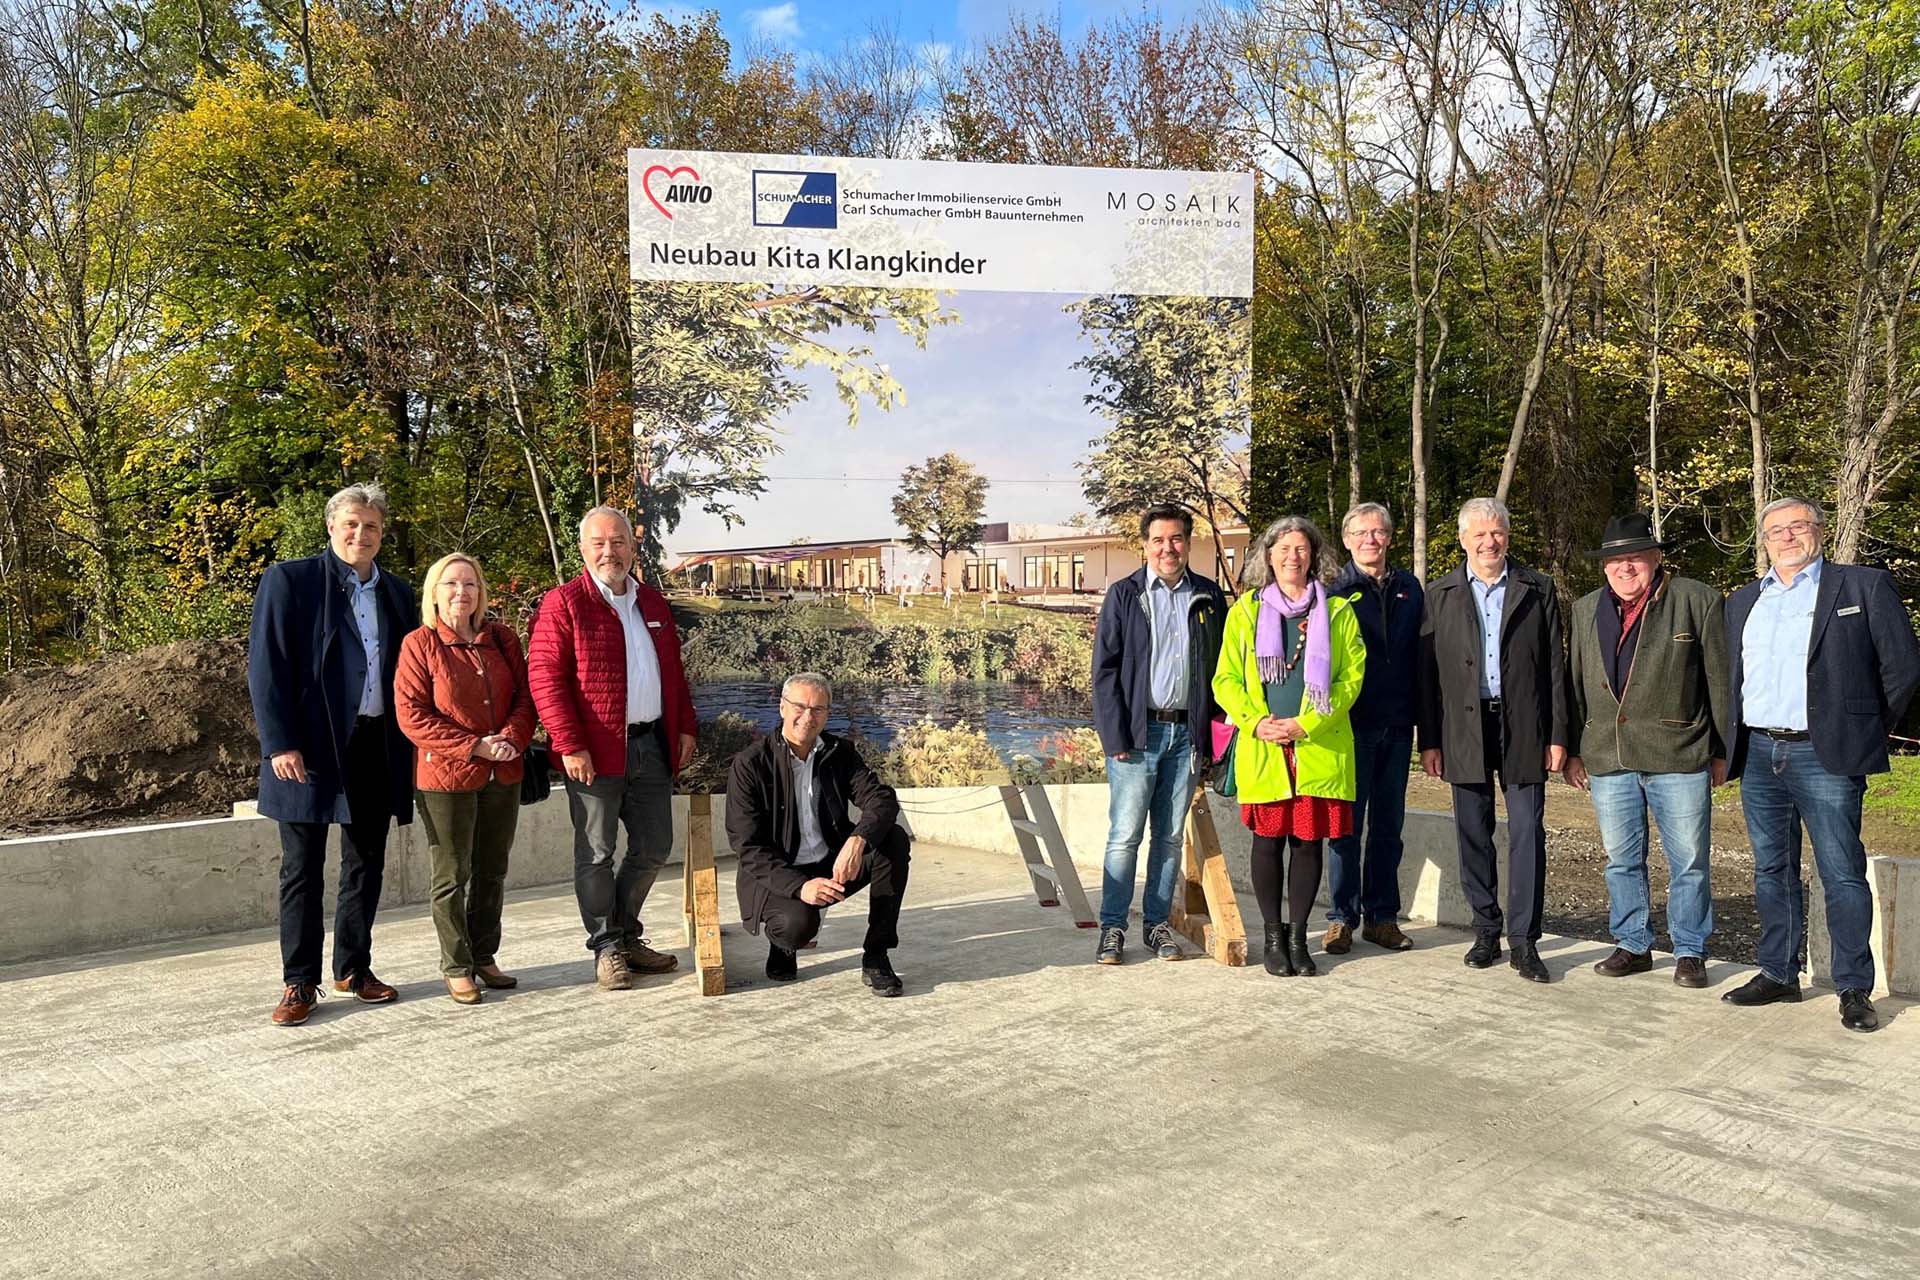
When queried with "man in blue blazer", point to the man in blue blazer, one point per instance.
{"points": [[320, 662], [1824, 660], [1154, 651]]}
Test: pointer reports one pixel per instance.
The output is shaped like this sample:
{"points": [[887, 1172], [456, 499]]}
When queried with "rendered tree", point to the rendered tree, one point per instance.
{"points": [[940, 504], [1172, 375]]}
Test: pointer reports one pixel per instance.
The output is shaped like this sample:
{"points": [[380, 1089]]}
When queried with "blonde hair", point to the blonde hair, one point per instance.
{"points": [[429, 591]]}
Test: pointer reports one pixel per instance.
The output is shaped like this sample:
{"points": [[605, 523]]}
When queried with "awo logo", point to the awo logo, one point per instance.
{"points": [[677, 186], [789, 198]]}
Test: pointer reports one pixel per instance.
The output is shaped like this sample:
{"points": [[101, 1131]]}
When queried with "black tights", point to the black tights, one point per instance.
{"points": [[1302, 885]]}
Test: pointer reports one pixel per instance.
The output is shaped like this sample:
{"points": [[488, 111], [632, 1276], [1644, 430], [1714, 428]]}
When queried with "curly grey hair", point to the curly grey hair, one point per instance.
{"points": [[1259, 567]]}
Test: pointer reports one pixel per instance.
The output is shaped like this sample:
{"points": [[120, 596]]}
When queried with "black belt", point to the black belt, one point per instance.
{"points": [[1167, 717], [361, 722], [1784, 735], [643, 728]]}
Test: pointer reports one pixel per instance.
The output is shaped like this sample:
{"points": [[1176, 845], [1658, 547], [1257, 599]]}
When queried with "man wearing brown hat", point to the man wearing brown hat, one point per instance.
{"points": [[1647, 660]]}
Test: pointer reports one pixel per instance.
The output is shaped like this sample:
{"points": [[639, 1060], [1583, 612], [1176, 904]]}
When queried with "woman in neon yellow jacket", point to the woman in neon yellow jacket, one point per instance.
{"points": [[1291, 663]]}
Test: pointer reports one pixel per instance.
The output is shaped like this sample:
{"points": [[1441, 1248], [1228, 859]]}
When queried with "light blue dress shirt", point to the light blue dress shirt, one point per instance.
{"points": [[1167, 610], [1773, 650], [366, 616], [1490, 601]]}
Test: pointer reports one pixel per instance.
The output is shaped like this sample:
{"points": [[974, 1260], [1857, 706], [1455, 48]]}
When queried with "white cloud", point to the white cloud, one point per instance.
{"points": [[778, 22]]}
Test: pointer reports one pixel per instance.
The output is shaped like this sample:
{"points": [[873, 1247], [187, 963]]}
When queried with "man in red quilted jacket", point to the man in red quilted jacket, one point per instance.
{"points": [[605, 669]]}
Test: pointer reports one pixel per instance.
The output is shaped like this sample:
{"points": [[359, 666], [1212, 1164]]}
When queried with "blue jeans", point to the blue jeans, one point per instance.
{"points": [[1682, 803], [1782, 789], [1157, 785], [1367, 888]]}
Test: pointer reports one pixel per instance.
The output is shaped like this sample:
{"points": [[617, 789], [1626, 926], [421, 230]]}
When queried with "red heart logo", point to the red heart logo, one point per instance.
{"points": [[646, 183]]}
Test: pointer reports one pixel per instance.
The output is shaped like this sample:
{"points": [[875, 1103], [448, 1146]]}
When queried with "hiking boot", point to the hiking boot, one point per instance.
{"points": [[611, 972], [1339, 939], [295, 1005], [1113, 941], [642, 958], [1165, 943]]}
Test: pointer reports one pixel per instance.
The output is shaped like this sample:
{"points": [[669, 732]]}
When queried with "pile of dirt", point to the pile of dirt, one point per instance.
{"points": [[164, 733]]}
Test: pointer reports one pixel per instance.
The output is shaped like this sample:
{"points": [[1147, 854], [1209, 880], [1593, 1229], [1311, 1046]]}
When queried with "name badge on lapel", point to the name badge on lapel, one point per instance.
{"points": [[1841, 613], [653, 626]]}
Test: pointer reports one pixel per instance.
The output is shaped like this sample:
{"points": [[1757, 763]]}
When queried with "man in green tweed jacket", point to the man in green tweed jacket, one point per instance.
{"points": [[1647, 663]]}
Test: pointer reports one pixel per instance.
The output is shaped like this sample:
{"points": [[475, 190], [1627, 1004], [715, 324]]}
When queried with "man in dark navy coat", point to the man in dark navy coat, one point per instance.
{"points": [[1154, 651], [320, 662], [1824, 661]]}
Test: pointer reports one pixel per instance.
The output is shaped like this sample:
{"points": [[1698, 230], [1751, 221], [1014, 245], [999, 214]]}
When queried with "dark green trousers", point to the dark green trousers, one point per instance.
{"points": [[469, 834]]}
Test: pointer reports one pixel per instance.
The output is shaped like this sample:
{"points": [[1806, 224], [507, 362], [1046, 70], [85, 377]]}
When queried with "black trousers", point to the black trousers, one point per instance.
{"points": [[791, 924], [1526, 846], [363, 866]]}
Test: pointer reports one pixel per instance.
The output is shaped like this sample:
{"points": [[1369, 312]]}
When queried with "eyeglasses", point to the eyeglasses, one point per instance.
{"points": [[1799, 528], [807, 707], [1369, 535]]}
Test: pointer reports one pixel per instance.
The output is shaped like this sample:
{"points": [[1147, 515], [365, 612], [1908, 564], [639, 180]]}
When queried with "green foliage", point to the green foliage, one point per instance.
{"points": [[157, 609], [733, 643], [933, 755], [721, 739], [940, 504], [1074, 755]]}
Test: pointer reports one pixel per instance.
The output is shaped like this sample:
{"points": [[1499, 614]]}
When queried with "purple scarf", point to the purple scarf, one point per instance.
{"points": [[1270, 643]]}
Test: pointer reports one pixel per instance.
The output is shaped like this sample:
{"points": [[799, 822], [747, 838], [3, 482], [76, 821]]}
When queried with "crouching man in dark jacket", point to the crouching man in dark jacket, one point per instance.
{"points": [[801, 850]]}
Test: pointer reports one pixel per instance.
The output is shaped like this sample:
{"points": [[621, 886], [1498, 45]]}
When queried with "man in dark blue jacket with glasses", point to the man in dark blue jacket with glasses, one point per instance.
{"points": [[1364, 872]]}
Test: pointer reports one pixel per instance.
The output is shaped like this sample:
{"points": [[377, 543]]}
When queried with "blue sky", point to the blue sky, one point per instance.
{"points": [[1023, 422], [821, 26]]}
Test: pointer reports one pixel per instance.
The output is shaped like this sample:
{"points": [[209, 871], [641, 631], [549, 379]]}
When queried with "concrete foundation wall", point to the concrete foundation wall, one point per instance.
{"points": [[93, 891]]}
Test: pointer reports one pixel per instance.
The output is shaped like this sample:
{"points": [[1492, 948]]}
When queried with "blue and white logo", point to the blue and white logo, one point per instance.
{"points": [[789, 198]]}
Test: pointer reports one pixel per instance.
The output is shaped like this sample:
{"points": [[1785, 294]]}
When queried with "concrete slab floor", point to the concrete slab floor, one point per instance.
{"points": [[1022, 1111]]}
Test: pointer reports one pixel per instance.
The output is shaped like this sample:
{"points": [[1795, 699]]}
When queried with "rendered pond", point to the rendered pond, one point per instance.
{"points": [[1015, 717]]}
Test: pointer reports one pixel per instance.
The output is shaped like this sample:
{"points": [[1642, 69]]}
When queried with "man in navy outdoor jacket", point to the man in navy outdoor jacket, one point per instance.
{"points": [[1153, 658], [1824, 661], [325, 640], [1364, 888]]}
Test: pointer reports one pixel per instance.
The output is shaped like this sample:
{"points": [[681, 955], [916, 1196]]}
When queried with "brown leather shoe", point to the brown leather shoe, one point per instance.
{"points": [[1690, 971], [470, 994], [1623, 962], [642, 958], [295, 1005], [611, 972], [490, 976], [1387, 934], [367, 989], [1339, 939]]}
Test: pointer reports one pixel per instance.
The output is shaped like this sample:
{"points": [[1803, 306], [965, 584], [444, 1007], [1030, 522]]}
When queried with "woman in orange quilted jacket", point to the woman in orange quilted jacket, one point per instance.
{"points": [[461, 696]]}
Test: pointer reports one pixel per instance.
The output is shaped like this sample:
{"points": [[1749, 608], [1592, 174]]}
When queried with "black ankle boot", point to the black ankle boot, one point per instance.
{"points": [[1278, 963], [1298, 961]]}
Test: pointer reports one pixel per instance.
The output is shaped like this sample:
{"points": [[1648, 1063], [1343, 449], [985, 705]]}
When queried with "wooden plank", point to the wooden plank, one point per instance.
{"points": [[1064, 873], [1016, 806], [1226, 935], [703, 897]]}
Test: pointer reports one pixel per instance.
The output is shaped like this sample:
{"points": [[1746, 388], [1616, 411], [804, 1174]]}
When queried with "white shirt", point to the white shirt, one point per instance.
{"points": [[643, 664], [366, 616], [813, 843]]}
